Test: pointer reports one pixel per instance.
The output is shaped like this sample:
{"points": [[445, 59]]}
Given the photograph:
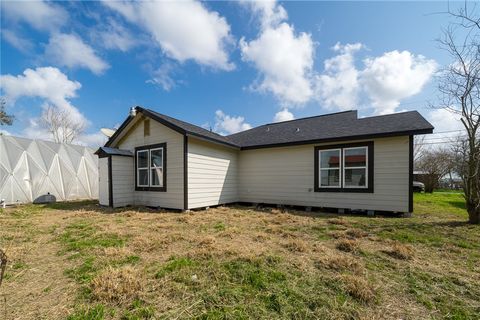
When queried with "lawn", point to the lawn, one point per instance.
{"points": [[79, 261]]}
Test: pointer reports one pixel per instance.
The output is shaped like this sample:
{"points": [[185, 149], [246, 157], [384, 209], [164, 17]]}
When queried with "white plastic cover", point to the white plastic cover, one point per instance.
{"points": [[32, 168]]}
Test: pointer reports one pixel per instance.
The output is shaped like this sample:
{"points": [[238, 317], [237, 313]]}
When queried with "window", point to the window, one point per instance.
{"points": [[151, 168], [344, 168], [330, 168], [355, 167]]}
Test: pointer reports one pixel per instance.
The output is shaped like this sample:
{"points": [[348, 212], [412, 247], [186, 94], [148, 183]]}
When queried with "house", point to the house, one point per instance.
{"points": [[335, 161]]}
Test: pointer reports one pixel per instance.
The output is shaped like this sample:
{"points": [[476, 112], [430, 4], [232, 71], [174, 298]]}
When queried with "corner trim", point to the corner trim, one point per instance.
{"points": [[371, 164], [152, 146], [410, 173], [185, 172], [110, 182]]}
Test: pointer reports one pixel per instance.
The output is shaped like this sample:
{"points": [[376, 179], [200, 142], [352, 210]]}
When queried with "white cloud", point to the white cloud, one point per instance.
{"points": [[394, 76], [444, 120], [269, 12], [283, 58], [41, 15], [185, 30], [115, 36], [70, 51], [47, 83], [20, 43], [54, 87], [35, 131], [382, 82], [338, 86], [163, 77], [283, 115], [225, 124], [95, 139]]}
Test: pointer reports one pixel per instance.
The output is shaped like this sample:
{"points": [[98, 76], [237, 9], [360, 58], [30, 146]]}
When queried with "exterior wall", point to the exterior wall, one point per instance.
{"points": [[212, 174], [122, 181], [285, 175], [103, 192], [173, 197]]}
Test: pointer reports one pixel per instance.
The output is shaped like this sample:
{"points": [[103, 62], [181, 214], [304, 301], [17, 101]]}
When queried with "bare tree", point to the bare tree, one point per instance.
{"points": [[62, 126], [5, 119], [435, 164], [459, 86]]}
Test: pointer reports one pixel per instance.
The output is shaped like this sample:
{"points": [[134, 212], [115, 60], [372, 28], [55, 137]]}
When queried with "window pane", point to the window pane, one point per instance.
{"points": [[143, 177], [330, 178], [142, 159], [355, 177], [330, 159], [157, 158], [356, 157], [157, 177]]}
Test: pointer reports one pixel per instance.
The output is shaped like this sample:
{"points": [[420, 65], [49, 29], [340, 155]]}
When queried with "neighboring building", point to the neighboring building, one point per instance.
{"points": [[31, 169], [336, 160]]}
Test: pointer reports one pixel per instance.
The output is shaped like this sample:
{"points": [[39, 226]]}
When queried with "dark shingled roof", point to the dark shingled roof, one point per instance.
{"points": [[332, 127], [185, 127], [324, 128], [106, 151]]}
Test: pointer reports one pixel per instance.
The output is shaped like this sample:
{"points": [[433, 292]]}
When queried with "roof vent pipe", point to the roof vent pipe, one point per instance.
{"points": [[133, 111], [298, 130]]}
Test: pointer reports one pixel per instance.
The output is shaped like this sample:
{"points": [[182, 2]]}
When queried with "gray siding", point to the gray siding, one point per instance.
{"points": [[123, 181], [173, 197], [103, 181], [286, 176], [212, 174]]}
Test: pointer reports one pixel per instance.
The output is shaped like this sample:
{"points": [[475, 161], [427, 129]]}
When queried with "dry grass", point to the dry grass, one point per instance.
{"points": [[355, 233], [235, 262], [343, 263], [347, 245], [400, 251], [359, 288], [117, 286]]}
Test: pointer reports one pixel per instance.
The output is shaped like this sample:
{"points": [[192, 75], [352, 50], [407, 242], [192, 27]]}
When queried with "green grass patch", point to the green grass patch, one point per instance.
{"points": [[219, 226], [440, 203], [83, 273], [81, 236], [139, 311], [172, 265], [96, 312]]}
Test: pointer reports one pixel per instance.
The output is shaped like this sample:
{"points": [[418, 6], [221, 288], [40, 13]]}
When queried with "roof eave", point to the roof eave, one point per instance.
{"points": [[197, 136]]}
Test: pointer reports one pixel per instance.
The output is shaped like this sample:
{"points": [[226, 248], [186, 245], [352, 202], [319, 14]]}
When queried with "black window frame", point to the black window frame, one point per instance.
{"points": [[342, 188], [150, 147]]}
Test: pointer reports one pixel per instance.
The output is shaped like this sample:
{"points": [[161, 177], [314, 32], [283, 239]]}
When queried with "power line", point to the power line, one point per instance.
{"points": [[438, 132], [451, 137]]}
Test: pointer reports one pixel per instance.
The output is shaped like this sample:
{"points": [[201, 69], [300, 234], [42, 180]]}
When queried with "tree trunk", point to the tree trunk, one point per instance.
{"points": [[473, 213]]}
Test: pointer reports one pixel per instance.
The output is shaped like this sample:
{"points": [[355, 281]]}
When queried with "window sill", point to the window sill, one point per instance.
{"points": [[157, 189], [345, 190]]}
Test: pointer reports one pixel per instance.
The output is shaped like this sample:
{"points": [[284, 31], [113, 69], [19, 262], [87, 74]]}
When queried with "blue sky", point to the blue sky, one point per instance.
{"points": [[222, 65]]}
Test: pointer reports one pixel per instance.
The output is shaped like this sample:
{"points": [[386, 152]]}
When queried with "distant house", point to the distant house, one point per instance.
{"points": [[335, 160]]}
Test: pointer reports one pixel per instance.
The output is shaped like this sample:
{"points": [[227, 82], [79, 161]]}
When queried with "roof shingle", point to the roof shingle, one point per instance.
{"points": [[324, 128]]}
